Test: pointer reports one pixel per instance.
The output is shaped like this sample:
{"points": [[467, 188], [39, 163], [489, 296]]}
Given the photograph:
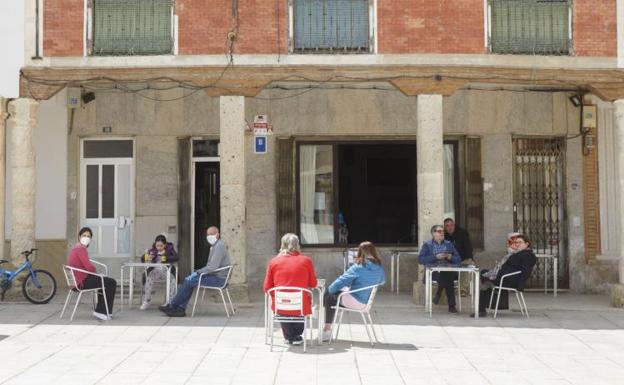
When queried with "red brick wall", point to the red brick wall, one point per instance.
{"points": [[63, 26], [419, 26], [594, 28], [203, 26]]}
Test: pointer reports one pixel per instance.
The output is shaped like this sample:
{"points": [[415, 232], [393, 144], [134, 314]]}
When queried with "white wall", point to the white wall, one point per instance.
{"points": [[50, 142], [12, 43]]}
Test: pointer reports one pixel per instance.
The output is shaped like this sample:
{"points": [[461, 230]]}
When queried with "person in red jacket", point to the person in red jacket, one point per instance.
{"points": [[79, 258], [291, 268]]}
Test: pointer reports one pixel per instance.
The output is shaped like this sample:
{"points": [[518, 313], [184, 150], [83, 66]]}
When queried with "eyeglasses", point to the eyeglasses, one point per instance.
{"points": [[519, 242]]}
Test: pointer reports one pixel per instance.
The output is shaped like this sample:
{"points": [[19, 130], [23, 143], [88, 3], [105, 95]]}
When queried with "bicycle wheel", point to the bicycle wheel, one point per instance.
{"points": [[41, 293]]}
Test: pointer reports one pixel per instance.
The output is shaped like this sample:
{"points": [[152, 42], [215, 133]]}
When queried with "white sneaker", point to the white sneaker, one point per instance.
{"points": [[102, 317], [326, 335], [144, 306]]}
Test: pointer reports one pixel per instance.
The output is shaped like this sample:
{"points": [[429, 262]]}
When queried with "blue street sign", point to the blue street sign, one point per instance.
{"points": [[260, 144]]}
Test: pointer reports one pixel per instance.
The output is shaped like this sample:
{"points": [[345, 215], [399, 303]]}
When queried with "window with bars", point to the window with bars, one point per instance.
{"points": [[536, 27], [327, 26], [132, 27]]}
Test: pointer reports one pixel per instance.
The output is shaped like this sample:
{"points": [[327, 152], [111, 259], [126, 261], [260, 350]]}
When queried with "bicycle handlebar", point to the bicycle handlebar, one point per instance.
{"points": [[27, 253]]}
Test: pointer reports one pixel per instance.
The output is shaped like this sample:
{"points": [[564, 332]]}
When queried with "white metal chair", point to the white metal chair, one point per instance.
{"points": [[73, 287], [364, 312], [288, 299], [221, 290], [457, 287], [519, 295]]}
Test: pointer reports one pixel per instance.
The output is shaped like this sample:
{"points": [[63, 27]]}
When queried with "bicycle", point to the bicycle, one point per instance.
{"points": [[38, 288]]}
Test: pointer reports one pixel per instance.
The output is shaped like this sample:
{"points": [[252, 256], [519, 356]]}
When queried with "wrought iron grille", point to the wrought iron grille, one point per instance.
{"points": [[537, 27], [331, 26], [132, 27], [539, 201]]}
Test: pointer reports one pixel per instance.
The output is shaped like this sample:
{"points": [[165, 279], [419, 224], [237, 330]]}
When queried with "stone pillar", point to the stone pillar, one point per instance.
{"points": [[23, 121], [3, 118], [430, 167], [233, 201], [430, 173], [617, 290]]}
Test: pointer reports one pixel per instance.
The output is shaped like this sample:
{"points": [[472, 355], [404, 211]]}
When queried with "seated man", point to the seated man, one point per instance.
{"points": [[217, 258], [439, 251], [291, 268], [521, 259]]}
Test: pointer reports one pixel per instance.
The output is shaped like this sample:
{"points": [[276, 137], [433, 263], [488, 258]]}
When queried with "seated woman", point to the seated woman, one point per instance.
{"points": [[520, 258], [440, 251], [79, 258], [366, 271], [161, 252]]}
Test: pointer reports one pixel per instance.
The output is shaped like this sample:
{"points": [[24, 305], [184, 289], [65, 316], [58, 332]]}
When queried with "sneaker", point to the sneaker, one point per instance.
{"points": [[163, 308], [436, 299], [327, 335], [144, 306], [102, 317], [297, 340], [177, 312], [452, 309]]}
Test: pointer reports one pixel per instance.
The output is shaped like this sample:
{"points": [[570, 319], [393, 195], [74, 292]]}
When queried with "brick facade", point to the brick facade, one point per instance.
{"points": [[404, 26], [424, 26], [594, 28], [63, 27]]}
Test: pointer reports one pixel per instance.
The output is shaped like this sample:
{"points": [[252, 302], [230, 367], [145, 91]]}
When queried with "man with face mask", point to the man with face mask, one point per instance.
{"points": [[218, 257]]}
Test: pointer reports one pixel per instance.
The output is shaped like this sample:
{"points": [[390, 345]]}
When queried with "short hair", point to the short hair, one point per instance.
{"points": [[290, 242], [160, 238], [449, 219], [213, 228], [525, 238], [84, 230], [435, 227]]}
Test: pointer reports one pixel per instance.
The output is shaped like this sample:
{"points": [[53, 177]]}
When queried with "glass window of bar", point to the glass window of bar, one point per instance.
{"points": [[132, 27], [534, 27], [331, 26], [316, 207]]}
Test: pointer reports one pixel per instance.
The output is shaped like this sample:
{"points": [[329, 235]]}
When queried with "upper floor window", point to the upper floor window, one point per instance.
{"points": [[534, 27], [331, 26], [131, 27]]}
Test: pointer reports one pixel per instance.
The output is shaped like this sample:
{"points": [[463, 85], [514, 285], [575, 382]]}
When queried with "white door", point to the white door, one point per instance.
{"points": [[107, 195]]}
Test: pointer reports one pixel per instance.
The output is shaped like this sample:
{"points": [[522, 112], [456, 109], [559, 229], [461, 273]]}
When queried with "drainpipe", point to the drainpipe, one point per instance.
{"points": [[4, 116], [37, 12]]}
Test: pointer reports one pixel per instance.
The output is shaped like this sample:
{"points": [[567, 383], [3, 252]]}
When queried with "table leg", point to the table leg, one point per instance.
{"points": [[321, 316], [392, 272], [122, 287], [428, 291], [545, 276], [555, 275], [131, 287], [398, 270], [477, 293], [168, 284]]}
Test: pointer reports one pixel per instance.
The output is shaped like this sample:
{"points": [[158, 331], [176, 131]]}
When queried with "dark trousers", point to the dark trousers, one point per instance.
{"points": [[484, 296], [445, 281], [329, 300], [291, 330], [110, 286]]}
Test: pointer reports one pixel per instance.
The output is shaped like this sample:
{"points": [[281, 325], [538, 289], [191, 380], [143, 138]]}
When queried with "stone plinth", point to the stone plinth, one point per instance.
{"points": [[617, 295]]}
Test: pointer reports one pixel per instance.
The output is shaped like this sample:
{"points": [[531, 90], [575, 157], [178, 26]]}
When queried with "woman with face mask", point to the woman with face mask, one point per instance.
{"points": [[161, 252], [79, 258]]}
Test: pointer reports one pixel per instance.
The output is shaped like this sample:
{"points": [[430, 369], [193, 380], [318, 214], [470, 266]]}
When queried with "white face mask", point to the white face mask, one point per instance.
{"points": [[212, 239], [85, 241]]}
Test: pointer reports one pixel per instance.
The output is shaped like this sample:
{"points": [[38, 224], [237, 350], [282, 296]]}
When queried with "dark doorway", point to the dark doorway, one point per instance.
{"points": [[377, 192], [207, 208]]}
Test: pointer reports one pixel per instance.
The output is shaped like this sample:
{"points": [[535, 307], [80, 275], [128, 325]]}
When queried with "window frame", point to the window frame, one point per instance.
{"points": [[458, 174], [488, 25], [372, 34], [89, 26]]}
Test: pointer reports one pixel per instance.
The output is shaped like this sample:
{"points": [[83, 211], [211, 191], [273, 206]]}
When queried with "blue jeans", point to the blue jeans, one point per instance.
{"points": [[185, 290]]}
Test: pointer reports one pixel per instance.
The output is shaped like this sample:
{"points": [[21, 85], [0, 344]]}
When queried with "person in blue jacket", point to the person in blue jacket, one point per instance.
{"points": [[439, 251], [365, 271]]}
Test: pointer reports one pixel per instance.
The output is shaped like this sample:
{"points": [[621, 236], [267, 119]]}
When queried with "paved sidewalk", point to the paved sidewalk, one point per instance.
{"points": [[569, 340]]}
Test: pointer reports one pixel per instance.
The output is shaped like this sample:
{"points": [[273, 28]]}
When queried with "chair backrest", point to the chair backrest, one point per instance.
{"points": [[288, 299], [371, 298], [70, 277], [229, 274]]}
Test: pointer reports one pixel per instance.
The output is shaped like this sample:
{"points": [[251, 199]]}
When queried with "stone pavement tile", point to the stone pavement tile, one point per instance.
{"points": [[504, 377], [463, 377], [550, 382], [166, 378], [450, 360], [211, 380], [346, 377], [382, 379]]}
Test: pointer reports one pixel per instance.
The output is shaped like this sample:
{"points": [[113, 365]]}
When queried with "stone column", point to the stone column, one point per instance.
{"points": [[23, 121], [233, 201], [3, 118], [429, 162], [617, 290]]}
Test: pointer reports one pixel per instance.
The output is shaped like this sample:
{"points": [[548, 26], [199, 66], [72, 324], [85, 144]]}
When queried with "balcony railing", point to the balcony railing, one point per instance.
{"points": [[536, 27], [331, 26], [132, 27]]}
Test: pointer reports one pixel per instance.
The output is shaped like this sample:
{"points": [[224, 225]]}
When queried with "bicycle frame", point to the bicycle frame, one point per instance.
{"points": [[10, 275]]}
